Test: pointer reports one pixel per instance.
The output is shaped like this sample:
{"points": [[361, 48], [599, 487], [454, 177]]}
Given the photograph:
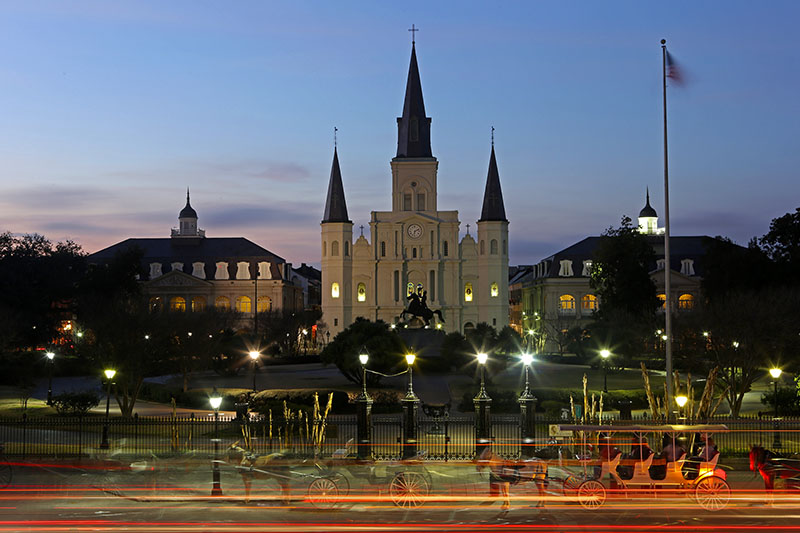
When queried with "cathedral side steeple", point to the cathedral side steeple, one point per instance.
{"points": [[335, 205], [493, 207], [413, 128]]}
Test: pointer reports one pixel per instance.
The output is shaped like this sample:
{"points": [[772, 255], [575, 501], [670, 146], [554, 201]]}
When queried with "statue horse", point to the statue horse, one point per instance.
{"points": [[504, 473], [252, 466], [418, 307], [772, 466]]}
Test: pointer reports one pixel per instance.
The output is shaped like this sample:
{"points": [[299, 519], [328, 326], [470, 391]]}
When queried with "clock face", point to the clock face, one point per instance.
{"points": [[414, 231]]}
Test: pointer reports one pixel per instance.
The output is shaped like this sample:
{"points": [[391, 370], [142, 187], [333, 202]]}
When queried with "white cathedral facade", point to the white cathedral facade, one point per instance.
{"points": [[415, 244]]}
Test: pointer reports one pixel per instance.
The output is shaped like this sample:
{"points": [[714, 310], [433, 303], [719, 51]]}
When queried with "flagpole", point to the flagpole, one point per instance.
{"points": [[667, 269]]}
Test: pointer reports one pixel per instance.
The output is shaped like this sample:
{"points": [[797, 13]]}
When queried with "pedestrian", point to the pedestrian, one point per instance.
{"points": [[499, 480]]}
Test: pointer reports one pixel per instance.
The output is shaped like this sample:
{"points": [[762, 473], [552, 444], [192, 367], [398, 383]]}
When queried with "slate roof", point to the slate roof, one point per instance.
{"points": [[188, 211], [647, 210]]}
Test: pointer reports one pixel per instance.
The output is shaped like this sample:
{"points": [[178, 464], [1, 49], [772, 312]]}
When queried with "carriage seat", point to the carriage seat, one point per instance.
{"points": [[343, 452], [643, 468]]}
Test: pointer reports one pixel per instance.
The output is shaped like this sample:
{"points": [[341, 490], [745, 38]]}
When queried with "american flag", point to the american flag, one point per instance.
{"points": [[674, 72]]}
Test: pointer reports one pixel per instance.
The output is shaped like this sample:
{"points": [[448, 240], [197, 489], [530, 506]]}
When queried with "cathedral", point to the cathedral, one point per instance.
{"points": [[415, 247]]}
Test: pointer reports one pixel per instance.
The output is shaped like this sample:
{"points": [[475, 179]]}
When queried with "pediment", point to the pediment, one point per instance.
{"points": [[177, 279]]}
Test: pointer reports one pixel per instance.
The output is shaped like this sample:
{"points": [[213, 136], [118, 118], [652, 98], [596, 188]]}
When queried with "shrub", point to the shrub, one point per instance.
{"points": [[75, 403]]}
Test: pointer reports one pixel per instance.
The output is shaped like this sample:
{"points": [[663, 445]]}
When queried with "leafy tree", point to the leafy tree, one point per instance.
{"points": [[782, 245], [282, 331], [385, 347], [621, 272], [729, 267]]}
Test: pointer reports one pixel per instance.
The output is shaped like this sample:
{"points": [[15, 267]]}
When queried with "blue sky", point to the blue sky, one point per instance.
{"points": [[111, 109]]}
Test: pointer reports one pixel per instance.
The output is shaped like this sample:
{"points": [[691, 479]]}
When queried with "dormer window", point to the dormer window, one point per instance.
{"points": [[222, 270], [242, 270], [264, 270], [587, 268], [565, 269], [199, 270], [155, 270], [177, 267], [661, 264], [687, 267]]}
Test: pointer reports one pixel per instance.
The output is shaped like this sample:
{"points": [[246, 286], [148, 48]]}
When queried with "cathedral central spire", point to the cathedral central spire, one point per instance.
{"points": [[413, 128]]}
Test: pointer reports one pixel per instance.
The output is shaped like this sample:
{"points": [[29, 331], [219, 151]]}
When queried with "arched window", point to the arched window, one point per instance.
{"points": [[483, 248], [264, 304], [686, 302], [334, 290], [177, 303], [361, 292], [324, 248], [445, 249], [335, 249], [156, 304], [198, 304], [468, 326], [346, 249], [493, 247], [589, 302], [222, 302], [566, 304], [663, 299], [494, 290], [243, 304], [383, 248], [468, 292]]}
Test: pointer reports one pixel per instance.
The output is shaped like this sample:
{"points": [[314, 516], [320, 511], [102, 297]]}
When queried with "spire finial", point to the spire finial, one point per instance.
{"points": [[413, 31], [187, 195], [492, 136], [467, 229], [335, 139], [362, 229], [648, 195]]}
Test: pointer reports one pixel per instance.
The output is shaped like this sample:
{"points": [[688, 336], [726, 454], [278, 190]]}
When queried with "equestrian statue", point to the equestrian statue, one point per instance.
{"points": [[418, 307]]}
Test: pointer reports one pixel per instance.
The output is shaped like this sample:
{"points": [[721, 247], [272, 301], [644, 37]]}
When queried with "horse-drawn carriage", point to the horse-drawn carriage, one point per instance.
{"points": [[642, 474]]}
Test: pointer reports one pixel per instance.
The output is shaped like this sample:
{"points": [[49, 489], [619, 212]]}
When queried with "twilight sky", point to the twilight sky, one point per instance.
{"points": [[109, 110]]}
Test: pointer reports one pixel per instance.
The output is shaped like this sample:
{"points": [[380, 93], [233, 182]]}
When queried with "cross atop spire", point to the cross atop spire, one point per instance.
{"points": [[413, 31], [492, 136], [335, 141]]}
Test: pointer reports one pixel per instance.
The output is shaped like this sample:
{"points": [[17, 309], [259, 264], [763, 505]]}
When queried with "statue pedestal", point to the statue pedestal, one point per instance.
{"points": [[424, 342]]}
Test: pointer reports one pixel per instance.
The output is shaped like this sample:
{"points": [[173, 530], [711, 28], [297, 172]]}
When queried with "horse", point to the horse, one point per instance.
{"points": [[503, 474], [252, 466], [418, 307], [772, 466]]}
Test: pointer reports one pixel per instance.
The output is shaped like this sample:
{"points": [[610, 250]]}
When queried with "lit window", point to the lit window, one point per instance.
{"points": [[686, 302], [334, 290], [589, 302], [264, 304], [495, 290], [663, 299], [362, 292], [468, 292], [243, 304], [565, 268], [156, 303], [198, 304], [177, 303], [566, 304], [222, 302]]}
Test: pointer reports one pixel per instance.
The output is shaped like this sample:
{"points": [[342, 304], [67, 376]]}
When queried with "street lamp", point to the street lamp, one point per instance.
{"points": [[50, 356], [363, 357], [605, 354], [527, 359], [482, 358], [410, 358], [254, 358], [776, 374], [216, 400], [109, 373]]}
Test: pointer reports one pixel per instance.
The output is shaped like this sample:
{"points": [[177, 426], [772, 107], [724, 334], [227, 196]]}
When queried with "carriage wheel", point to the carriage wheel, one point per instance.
{"points": [[323, 493], [591, 494], [408, 489], [712, 493], [571, 485], [5, 473]]}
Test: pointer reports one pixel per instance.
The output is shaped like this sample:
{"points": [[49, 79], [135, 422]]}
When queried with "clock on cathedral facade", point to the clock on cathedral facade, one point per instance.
{"points": [[415, 244]]}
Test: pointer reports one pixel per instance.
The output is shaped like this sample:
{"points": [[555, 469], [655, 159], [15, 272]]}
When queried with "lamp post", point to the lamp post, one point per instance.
{"points": [[527, 408], [215, 400], [364, 411], [254, 358], [482, 403], [109, 373], [410, 409], [776, 437], [681, 401], [605, 354], [50, 357]]}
